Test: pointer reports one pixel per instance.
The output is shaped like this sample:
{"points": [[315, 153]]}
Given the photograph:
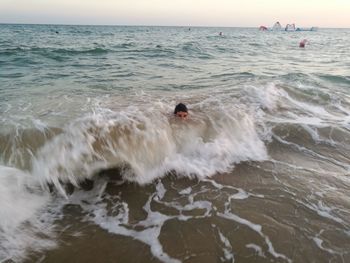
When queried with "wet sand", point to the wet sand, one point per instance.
{"points": [[289, 231]]}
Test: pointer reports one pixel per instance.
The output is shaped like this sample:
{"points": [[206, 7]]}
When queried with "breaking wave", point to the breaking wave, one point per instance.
{"points": [[146, 144]]}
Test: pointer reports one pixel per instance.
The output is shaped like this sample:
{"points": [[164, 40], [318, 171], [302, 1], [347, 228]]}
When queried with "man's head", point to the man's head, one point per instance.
{"points": [[181, 111]]}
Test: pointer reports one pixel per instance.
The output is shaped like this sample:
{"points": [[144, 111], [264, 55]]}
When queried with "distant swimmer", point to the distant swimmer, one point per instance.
{"points": [[303, 43], [181, 111], [220, 34]]}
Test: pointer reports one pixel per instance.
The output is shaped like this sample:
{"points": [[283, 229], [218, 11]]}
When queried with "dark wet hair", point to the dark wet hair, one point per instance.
{"points": [[180, 107]]}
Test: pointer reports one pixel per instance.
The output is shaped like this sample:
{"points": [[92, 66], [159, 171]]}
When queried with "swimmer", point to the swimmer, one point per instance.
{"points": [[303, 43], [181, 111]]}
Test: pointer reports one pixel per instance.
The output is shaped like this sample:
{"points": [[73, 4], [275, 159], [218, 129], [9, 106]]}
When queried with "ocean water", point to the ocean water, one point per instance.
{"points": [[94, 167]]}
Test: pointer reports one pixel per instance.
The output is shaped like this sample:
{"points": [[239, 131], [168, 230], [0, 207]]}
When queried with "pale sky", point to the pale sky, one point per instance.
{"points": [[252, 13]]}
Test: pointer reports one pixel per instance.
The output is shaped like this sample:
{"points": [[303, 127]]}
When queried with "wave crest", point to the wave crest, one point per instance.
{"points": [[150, 144]]}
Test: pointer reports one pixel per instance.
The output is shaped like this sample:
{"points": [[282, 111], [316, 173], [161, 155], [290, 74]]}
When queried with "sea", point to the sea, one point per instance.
{"points": [[95, 166]]}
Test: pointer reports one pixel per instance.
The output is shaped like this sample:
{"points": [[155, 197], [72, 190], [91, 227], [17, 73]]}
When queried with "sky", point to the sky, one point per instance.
{"points": [[226, 13]]}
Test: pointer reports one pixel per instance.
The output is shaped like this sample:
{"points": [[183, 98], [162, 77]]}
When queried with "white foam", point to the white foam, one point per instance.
{"points": [[231, 216], [22, 216], [268, 97], [149, 228], [160, 190], [240, 193], [227, 248], [151, 144], [38, 124], [316, 137], [255, 227], [257, 248], [319, 242], [315, 110], [322, 210], [186, 191], [271, 97]]}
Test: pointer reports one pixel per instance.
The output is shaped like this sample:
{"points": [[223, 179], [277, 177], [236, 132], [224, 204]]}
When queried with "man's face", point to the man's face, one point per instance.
{"points": [[182, 114]]}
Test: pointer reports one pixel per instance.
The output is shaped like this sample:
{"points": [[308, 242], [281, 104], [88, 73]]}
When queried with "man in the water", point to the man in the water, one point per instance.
{"points": [[181, 111], [303, 43]]}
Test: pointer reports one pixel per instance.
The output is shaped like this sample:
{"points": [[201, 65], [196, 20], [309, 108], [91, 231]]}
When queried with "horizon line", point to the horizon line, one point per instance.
{"points": [[137, 25]]}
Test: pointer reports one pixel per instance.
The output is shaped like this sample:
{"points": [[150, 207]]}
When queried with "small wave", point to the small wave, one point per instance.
{"points": [[267, 97], [125, 45], [221, 49], [11, 75], [49, 51], [336, 79], [333, 159], [91, 51], [193, 49], [301, 104], [254, 44], [172, 65], [295, 76], [13, 51], [82, 32], [151, 52], [18, 147], [243, 75]]}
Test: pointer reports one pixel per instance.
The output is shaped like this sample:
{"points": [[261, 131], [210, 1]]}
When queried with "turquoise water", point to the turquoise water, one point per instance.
{"points": [[264, 151], [93, 61]]}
